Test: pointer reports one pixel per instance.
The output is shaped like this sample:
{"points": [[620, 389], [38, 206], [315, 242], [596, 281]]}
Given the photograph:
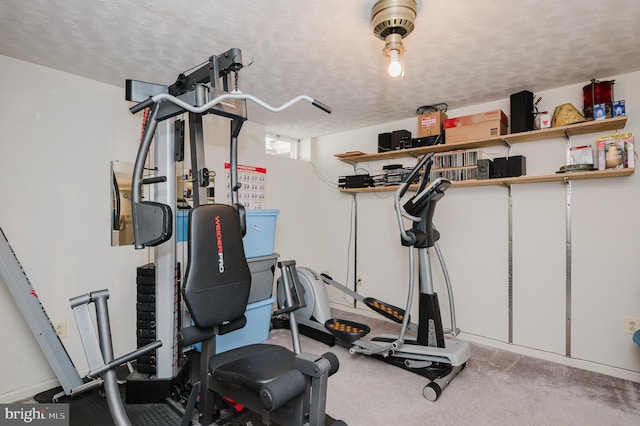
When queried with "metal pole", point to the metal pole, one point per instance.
{"points": [[165, 259], [110, 380]]}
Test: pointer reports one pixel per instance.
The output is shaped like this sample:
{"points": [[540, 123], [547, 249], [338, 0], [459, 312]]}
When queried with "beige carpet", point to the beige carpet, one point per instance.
{"points": [[495, 388]]}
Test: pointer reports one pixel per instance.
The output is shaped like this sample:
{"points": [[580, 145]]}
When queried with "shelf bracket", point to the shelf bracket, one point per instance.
{"points": [[568, 149], [506, 143]]}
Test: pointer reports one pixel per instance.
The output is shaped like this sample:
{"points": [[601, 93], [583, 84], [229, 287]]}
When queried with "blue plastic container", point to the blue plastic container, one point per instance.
{"points": [[261, 233], [256, 330], [182, 225]]}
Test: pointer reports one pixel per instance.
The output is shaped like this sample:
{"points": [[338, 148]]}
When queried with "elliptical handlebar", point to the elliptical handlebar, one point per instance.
{"points": [[406, 182], [425, 161]]}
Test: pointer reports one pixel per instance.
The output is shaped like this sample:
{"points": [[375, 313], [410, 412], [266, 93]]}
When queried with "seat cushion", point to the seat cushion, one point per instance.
{"points": [[252, 366]]}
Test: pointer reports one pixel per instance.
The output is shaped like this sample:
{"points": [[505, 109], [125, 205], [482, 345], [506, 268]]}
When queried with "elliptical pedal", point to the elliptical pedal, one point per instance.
{"points": [[391, 312], [347, 331]]}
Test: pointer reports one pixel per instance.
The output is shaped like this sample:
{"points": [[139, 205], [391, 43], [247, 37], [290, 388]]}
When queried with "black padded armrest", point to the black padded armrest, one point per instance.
{"points": [[190, 335], [233, 325], [193, 334]]}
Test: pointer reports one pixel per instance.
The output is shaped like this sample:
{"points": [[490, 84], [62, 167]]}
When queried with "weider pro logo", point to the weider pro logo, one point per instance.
{"points": [[219, 244]]}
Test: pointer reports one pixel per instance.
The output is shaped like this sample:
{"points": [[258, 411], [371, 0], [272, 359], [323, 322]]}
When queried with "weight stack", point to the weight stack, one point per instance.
{"points": [[146, 315]]}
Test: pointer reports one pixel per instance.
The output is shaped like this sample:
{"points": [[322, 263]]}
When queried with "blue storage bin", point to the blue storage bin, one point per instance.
{"points": [[182, 225], [256, 330], [261, 233]]}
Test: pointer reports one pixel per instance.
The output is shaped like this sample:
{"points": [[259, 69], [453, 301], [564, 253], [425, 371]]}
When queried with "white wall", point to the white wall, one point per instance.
{"points": [[58, 133], [474, 227]]}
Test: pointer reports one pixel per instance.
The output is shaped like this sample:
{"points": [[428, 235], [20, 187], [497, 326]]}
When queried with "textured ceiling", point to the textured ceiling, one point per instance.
{"points": [[462, 52]]}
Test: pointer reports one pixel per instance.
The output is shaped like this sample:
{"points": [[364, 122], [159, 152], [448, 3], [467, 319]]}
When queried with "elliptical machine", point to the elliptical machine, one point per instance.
{"points": [[429, 354]]}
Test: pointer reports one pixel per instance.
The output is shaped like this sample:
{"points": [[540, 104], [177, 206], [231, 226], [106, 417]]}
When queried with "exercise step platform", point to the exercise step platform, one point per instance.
{"points": [[385, 309], [347, 331]]}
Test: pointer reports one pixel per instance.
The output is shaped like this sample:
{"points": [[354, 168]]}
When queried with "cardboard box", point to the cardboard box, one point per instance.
{"points": [[543, 120], [599, 112], [618, 108], [431, 123], [472, 132], [466, 120]]}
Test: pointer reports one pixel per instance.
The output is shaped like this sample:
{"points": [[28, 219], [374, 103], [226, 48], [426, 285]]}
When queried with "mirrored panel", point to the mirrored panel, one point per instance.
{"points": [[121, 216]]}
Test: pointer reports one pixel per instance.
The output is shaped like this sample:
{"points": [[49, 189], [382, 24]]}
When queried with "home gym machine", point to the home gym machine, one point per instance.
{"points": [[282, 385], [429, 354]]}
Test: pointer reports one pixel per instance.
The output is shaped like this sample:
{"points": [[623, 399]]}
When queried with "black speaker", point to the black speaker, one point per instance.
{"points": [[384, 142], [400, 139], [499, 167], [509, 166], [516, 166], [522, 112]]}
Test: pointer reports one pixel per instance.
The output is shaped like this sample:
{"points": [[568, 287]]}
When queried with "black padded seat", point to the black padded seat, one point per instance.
{"points": [[269, 380], [252, 366]]}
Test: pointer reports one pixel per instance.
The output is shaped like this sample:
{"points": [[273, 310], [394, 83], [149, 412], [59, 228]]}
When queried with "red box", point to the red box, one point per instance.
{"points": [[466, 120]]}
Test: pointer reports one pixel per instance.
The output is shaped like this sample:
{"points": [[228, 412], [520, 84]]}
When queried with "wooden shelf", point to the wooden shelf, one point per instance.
{"points": [[609, 124], [556, 177], [584, 128]]}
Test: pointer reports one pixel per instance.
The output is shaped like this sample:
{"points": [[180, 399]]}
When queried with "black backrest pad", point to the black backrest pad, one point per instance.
{"points": [[218, 279]]}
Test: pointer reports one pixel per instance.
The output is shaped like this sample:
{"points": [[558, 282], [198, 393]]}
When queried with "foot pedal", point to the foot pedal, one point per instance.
{"points": [[347, 331], [388, 311]]}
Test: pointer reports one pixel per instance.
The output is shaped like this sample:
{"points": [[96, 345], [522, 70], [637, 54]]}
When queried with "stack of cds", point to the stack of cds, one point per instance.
{"points": [[390, 175]]}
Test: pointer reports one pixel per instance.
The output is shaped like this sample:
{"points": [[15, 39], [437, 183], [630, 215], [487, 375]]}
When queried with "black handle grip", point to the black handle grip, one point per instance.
{"points": [[407, 180], [318, 104], [417, 168], [142, 105], [158, 179], [326, 276]]}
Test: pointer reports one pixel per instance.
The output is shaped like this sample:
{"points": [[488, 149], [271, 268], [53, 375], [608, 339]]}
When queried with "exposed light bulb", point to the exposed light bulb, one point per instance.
{"points": [[395, 68]]}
